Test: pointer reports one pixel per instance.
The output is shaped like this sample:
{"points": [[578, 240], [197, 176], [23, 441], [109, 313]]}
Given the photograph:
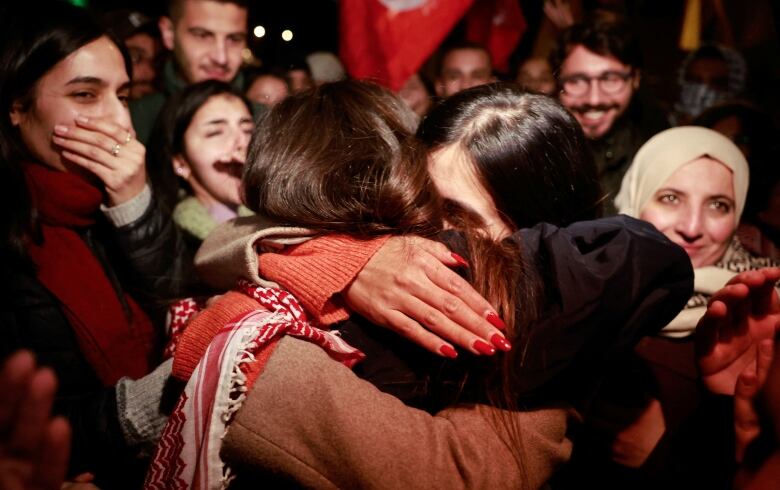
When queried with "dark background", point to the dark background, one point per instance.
{"points": [[657, 24]]}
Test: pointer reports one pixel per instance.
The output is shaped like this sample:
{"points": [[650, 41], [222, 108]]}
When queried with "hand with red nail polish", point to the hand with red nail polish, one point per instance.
{"points": [[484, 348], [448, 351], [500, 343], [460, 260], [495, 320], [425, 300]]}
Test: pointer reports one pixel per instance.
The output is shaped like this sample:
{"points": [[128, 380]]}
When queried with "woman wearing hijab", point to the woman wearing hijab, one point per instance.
{"points": [[691, 183], [366, 146]]}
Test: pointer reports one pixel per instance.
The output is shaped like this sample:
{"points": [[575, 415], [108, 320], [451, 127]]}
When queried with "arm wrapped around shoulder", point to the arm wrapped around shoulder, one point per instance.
{"points": [[608, 283], [310, 420]]}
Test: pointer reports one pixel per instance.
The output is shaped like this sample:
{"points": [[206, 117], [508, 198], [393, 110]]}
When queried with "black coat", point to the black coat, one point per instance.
{"points": [[607, 284], [146, 259]]}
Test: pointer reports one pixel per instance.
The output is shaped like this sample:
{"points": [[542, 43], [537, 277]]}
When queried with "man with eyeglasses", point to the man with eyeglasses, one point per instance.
{"points": [[597, 67]]}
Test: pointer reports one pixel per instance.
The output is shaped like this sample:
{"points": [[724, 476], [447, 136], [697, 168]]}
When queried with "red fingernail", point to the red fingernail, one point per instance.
{"points": [[460, 260], [494, 320], [500, 342], [448, 351], [484, 348]]}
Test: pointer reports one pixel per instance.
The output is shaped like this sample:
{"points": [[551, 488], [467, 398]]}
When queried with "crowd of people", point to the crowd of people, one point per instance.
{"points": [[217, 275]]}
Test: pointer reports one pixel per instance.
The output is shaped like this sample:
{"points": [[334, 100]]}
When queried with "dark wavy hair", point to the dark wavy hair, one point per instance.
{"points": [[167, 137], [531, 156], [603, 37], [342, 158], [528, 151], [36, 36]]}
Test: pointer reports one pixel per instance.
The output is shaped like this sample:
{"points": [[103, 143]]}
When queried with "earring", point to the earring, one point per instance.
{"points": [[180, 171]]}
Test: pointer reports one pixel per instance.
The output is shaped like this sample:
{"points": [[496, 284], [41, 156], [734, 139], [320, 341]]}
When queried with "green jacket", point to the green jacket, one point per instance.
{"points": [[144, 111]]}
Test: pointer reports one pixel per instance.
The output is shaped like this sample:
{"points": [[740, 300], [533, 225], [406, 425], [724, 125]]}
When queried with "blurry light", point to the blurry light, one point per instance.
{"points": [[259, 31], [287, 35], [247, 55]]}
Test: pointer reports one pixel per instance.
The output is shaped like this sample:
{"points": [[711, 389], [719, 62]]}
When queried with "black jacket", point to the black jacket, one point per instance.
{"points": [[146, 259], [607, 283]]}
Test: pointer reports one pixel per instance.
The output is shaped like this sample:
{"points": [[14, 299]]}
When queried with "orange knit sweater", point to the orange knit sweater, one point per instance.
{"points": [[315, 271]]}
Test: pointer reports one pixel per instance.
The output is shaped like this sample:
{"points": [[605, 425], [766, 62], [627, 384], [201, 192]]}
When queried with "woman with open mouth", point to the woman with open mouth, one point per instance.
{"points": [[200, 140]]}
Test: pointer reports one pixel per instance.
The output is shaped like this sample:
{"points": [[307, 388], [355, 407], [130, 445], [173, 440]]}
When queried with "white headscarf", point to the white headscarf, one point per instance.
{"points": [[669, 150], [653, 164]]}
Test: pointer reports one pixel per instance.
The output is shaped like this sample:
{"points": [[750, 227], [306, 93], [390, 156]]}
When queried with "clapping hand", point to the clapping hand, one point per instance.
{"points": [[34, 448], [741, 317]]}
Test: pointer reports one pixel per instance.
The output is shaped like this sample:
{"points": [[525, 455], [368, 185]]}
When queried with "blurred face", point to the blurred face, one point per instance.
{"points": [[462, 69], [143, 50], [695, 209], [731, 128], [267, 90], [455, 177], [414, 95], [536, 75], [207, 40], [300, 80], [92, 82], [607, 86], [215, 146], [709, 71]]}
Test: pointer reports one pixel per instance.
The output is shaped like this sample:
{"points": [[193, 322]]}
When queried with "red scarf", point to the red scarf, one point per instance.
{"points": [[114, 343]]}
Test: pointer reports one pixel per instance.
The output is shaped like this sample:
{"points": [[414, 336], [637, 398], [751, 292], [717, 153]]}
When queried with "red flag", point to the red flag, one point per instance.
{"points": [[388, 40], [498, 25]]}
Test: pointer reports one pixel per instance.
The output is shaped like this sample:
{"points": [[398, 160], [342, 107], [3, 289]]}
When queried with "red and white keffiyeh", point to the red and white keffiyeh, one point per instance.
{"points": [[187, 455]]}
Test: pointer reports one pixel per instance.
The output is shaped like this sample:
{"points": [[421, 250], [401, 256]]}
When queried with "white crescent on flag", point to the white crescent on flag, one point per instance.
{"points": [[402, 5]]}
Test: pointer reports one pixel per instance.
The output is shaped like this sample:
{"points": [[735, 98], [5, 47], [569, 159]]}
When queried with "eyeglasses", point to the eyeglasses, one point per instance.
{"points": [[609, 82]]}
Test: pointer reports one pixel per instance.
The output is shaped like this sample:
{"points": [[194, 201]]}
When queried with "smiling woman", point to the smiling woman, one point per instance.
{"points": [[691, 183], [80, 226]]}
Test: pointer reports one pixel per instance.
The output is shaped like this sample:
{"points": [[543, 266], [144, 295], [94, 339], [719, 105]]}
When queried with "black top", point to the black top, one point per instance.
{"points": [[608, 283], [144, 258]]}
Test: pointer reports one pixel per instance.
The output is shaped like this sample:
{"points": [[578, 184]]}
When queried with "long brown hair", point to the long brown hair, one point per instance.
{"points": [[344, 158], [532, 158]]}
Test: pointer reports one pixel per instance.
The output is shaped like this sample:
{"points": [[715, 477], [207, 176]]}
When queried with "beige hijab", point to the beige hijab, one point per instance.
{"points": [[669, 150], [653, 164]]}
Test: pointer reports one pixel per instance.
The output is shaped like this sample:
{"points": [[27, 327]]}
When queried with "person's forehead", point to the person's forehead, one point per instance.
{"points": [[212, 15], [140, 40], [99, 60], [268, 82], [535, 66], [222, 105], [466, 58], [703, 176], [582, 61]]}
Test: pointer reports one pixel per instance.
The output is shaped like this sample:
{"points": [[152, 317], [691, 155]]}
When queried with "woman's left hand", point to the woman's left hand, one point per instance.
{"points": [[740, 316], [109, 151]]}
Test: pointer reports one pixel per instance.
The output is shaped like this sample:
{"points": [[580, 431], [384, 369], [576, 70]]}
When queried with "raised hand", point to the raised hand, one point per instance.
{"points": [[109, 151], [34, 448], [559, 13], [746, 420], [408, 287], [740, 316]]}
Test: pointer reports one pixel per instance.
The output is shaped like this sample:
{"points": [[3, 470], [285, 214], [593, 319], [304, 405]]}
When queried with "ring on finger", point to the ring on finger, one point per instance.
{"points": [[128, 138], [115, 149]]}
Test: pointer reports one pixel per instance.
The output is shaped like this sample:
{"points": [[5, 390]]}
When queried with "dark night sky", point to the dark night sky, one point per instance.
{"points": [[315, 27], [314, 22]]}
